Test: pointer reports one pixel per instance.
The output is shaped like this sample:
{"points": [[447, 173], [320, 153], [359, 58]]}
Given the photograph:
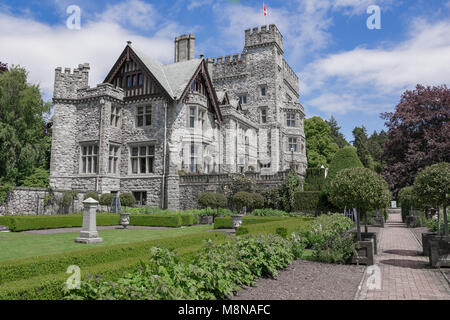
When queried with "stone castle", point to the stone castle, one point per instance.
{"points": [[152, 129]]}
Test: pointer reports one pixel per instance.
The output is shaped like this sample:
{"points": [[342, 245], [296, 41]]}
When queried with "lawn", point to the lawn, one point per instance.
{"points": [[24, 245]]}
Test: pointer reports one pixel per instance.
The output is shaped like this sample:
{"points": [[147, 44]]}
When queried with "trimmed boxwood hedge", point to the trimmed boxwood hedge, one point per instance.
{"points": [[51, 264], [24, 223], [225, 222], [307, 201]]}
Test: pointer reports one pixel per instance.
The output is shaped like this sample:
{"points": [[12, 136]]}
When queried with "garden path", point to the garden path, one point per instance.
{"points": [[404, 272]]}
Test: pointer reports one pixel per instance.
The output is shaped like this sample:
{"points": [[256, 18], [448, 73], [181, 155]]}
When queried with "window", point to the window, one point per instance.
{"points": [[192, 167], [292, 144], [129, 81], [263, 115], [140, 79], [263, 91], [142, 159], [144, 116], [89, 159], [191, 117], [290, 119], [201, 116], [243, 99], [141, 197], [115, 116], [134, 80], [113, 159]]}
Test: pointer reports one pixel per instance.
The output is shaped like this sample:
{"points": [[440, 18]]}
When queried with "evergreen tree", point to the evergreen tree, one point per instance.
{"points": [[23, 145], [361, 145], [336, 135]]}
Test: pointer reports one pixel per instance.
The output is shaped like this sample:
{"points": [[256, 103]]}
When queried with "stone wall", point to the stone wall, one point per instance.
{"points": [[31, 201]]}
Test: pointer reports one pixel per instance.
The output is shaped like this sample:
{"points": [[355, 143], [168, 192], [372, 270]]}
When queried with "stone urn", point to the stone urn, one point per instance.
{"points": [[236, 220], [124, 219], [206, 219]]}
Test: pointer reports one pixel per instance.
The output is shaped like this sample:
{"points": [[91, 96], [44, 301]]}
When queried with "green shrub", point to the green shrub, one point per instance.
{"points": [[282, 232], [257, 201], [106, 199], [65, 200], [39, 179], [156, 220], [307, 201], [243, 199], [272, 198], [93, 195], [127, 200], [225, 222], [270, 213], [212, 200], [288, 189], [315, 179], [344, 158], [241, 231], [329, 237], [216, 271]]}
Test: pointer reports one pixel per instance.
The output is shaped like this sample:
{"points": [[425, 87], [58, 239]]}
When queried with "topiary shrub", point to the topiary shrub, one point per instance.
{"points": [[213, 201], [243, 199], [343, 159], [127, 199], [257, 201], [106, 199], [91, 194]]}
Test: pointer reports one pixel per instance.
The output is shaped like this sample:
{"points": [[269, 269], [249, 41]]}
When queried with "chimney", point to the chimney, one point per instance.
{"points": [[184, 47]]}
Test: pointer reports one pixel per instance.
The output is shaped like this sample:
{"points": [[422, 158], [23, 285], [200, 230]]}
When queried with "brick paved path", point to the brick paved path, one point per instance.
{"points": [[405, 274]]}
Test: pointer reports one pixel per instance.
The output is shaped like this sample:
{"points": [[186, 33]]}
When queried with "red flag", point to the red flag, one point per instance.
{"points": [[265, 10]]}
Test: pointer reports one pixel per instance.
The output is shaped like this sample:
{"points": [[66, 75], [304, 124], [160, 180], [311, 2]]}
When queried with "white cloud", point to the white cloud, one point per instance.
{"points": [[136, 13], [352, 80], [40, 48]]}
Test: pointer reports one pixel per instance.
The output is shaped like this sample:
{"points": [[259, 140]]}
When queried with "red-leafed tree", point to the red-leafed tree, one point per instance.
{"points": [[418, 136], [3, 67]]}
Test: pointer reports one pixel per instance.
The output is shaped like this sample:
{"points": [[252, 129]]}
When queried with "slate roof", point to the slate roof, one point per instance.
{"points": [[173, 77]]}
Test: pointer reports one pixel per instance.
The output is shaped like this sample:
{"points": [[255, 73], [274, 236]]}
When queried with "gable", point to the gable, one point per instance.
{"points": [[132, 75]]}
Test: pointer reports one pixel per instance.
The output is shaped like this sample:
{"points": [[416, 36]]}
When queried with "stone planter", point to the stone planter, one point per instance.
{"points": [[124, 219], [236, 220], [379, 221], [369, 236], [206, 220], [439, 251], [365, 253], [410, 221], [426, 237]]}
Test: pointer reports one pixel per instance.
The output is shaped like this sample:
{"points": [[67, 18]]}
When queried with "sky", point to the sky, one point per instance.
{"points": [[346, 70]]}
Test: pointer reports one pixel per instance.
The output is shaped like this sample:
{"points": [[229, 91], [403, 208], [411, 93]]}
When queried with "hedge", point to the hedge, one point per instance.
{"points": [[307, 201], [315, 179], [225, 222], [289, 224], [51, 264], [49, 286], [23, 223]]}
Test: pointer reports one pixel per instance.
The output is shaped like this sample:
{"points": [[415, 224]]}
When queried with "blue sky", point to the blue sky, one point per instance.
{"points": [[345, 69]]}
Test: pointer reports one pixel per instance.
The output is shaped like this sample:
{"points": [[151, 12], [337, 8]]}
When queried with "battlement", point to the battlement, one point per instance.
{"points": [[257, 37], [102, 89], [68, 82], [235, 58]]}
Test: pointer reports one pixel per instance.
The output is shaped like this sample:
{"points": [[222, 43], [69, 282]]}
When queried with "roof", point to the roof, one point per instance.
{"points": [[173, 77]]}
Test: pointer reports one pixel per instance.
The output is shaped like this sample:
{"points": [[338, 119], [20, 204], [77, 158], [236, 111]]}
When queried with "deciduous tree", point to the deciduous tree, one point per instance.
{"points": [[418, 135], [320, 147]]}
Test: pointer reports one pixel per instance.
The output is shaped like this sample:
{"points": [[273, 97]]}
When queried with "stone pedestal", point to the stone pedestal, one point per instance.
{"points": [[89, 232], [124, 219], [365, 253]]}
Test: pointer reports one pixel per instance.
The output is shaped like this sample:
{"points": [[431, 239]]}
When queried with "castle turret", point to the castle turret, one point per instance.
{"points": [[67, 83], [255, 37], [184, 47]]}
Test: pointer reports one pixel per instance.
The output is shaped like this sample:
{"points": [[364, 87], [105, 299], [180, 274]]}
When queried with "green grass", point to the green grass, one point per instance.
{"points": [[24, 245]]}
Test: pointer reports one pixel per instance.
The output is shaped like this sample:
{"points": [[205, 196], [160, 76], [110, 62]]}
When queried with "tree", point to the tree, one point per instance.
{"points": [[359, 188], [212, 200], [336, 135], [361, 145], [320, 147], [22, 144], [39, 179], [418, 134], [3, 67], [375, 144], [288, 189], [127, 199], [432, 187], [106, 199], [343, 159]]}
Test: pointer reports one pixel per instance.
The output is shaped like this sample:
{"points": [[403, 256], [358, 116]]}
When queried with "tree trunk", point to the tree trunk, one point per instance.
{"points": [[365, 222], [438, 222], [358, 224], [445, 221]]}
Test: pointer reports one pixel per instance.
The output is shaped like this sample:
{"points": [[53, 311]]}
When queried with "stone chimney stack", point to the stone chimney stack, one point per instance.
{"points": [[184, 47]]}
